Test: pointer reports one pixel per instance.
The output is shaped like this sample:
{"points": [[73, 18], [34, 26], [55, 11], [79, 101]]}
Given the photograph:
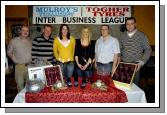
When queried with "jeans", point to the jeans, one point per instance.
{"points": [[86, 73], [104, 68], [67, 69]]}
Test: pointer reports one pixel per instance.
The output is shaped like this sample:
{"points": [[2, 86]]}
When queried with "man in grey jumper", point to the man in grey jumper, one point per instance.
{"points": [[19, 50], [134, 47]]}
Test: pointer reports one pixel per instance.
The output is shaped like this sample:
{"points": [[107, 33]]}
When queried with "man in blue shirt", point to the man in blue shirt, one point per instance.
{"points": [[106, 52]]}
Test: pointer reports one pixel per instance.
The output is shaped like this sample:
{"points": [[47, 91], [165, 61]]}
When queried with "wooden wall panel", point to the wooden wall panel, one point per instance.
{"points": [[16, 11], [145, 16]]}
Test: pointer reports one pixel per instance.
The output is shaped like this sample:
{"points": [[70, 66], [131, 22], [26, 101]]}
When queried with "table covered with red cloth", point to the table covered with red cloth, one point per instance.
{"points": [[77, 95]]}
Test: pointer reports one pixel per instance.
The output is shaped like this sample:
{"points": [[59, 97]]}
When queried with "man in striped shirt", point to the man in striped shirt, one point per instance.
{"points": [[134, 46], [42, 47]]}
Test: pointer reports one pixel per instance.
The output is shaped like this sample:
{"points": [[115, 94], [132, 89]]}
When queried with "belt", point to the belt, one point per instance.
{"points": [[104, 63], [26, 64], [65, 62]]}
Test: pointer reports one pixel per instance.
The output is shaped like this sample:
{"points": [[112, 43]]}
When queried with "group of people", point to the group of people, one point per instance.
{"points": [[79, 55]]}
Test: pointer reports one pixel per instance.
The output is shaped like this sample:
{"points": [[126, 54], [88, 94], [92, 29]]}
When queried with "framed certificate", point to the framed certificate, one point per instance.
{"points": [[53, 74], [124, 74]]}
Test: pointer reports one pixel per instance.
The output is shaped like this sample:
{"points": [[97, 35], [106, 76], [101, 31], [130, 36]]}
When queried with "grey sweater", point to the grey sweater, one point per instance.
{"points": [[21, 50], [136, 48]]}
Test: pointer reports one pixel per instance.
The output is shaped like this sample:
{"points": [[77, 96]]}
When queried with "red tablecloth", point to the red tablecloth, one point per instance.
{"points": [[78, 95]]}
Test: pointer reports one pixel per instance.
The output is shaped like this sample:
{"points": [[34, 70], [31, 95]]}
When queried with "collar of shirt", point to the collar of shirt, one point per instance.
{"points": [[106, 38], [45, 38], [24, 40], [64, 43], [130, 34]]}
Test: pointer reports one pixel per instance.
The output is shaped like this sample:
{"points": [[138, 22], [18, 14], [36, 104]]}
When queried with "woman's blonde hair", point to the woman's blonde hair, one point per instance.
{"points": [[89, 36]]}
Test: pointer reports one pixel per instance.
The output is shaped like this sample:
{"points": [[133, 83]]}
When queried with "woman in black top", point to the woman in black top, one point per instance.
{"points": [[84, 55]]}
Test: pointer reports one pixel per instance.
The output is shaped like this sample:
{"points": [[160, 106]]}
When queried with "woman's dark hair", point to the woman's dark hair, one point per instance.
{"points": [[60, 31]]}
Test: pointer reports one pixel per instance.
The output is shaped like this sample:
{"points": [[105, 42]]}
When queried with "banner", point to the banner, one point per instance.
{"points": [[80, 14]]}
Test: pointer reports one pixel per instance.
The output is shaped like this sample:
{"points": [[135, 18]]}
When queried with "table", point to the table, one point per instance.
{"points": [[135, 95]]}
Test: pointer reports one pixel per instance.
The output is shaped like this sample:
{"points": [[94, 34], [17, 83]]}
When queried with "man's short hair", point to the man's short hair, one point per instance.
{"points": [[47, 25], [131, 18], [105, 25]]}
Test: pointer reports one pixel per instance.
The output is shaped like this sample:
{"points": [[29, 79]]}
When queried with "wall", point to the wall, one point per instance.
{"points": [[14, 14], [75, 30], [145, 16], [16, 11]]}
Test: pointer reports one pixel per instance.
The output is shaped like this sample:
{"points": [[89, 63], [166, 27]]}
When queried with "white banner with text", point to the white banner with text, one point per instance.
{"points": [[80, 14]]}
